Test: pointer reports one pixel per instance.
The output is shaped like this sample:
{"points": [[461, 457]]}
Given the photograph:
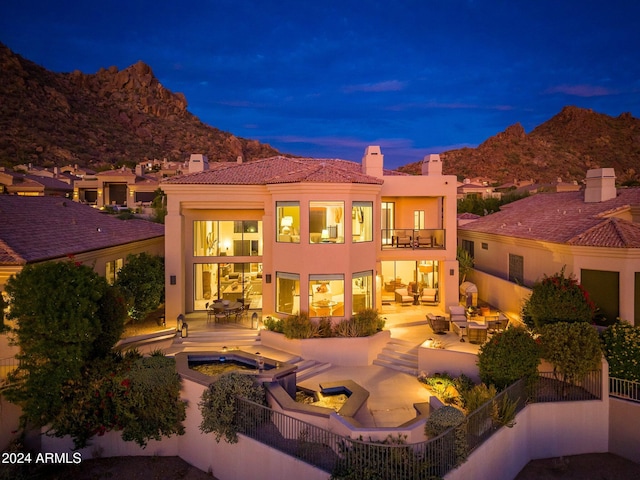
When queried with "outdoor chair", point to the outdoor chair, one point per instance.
{"points": [[437, 323], [402, 296], [429, 295]]}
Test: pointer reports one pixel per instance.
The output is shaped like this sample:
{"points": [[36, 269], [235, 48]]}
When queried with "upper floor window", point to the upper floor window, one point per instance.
{"points": [[362, 222], [288, 222], [222, 238], [418, 219], [326, 222]]}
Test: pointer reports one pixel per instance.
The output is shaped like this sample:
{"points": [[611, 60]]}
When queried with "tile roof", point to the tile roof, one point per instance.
{"points": [[279, 170], [565, 218], [34, 229]]}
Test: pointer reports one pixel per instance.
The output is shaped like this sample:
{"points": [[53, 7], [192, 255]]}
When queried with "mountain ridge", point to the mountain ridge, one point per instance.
{"points": [[564, 147], [109, 118]]}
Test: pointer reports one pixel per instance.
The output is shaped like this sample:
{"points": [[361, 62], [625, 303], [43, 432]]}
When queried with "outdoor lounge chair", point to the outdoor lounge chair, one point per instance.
{"points": [[437, 323], [429, 295], [402, 296]]}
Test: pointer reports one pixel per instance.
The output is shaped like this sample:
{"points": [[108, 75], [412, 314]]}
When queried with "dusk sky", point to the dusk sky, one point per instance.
{"points": [[328, 78]]}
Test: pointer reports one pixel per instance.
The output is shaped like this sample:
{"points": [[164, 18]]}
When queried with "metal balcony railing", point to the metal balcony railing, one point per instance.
{"points": [[416, 239]]}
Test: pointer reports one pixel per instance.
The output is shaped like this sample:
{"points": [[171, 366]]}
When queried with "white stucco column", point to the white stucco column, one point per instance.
{"points": [[174, 264]]}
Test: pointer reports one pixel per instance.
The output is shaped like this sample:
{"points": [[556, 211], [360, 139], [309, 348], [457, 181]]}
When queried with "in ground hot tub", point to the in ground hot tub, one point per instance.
{"points": [[214, 364]]}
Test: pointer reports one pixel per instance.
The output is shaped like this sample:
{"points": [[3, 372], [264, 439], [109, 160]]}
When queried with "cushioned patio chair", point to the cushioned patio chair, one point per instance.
{"points": [[402, 296]]}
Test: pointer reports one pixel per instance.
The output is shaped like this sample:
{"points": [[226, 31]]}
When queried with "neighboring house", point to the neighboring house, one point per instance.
{"points": [[120, 187], [595, 233], [329, 237], [39, 229], [479, 189], [16, 183]]}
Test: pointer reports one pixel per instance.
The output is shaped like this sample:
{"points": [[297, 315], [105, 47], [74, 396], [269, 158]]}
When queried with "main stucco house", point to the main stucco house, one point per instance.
{"points": [[324, 236]]}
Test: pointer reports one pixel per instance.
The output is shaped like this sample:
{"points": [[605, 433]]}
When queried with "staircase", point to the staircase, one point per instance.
{"points": [[215, 340], [309, 368], [400, 355]]}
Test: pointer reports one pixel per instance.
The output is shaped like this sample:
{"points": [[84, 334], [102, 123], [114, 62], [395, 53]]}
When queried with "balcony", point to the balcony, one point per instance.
{"points": [[415, 239]]}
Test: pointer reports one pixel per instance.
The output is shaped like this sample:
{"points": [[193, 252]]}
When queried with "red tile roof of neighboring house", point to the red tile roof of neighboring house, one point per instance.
{"points": [[35, 229], [565, 218], [280, 170]]}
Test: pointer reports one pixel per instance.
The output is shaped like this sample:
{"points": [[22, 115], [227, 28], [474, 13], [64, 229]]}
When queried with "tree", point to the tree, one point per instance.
{"points": [[572, 348], [465, 263], [63, 323], [141, 280], [557, 298], [507, 357], [159, 205]]}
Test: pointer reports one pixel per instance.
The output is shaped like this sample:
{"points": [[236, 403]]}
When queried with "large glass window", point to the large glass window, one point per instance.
{"points": [[287, 293], [362, 221], [326, 295], [288, 222], [362, 291], [326, 222], [227, 238], [418, 219], [227, 281]]}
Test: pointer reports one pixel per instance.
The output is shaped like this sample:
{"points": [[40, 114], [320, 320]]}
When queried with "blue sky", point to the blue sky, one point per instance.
{"points": [[328, 78]]}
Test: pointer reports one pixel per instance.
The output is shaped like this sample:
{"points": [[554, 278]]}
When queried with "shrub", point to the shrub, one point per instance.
{"points": [[218, 404], [274, 324], [557, 299], [299, 326], [621, 345], [443, 419], [138, 395], [507, 357], [573, 349], [477, 396], [141, 279], [363, 324], [503, 412]]}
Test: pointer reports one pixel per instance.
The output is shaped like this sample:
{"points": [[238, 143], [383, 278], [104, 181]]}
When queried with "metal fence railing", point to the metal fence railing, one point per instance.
{"points": [[345, 457], [625, 389], [551, 387], [7, 365]]}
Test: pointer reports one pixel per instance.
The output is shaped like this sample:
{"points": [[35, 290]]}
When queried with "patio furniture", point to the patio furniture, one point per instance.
{"points": [[458, 321], [423, 242], [403, 241], [496, 322], [476, 333], [393, 285], [402, 296], [438, 323], [429, 296]]}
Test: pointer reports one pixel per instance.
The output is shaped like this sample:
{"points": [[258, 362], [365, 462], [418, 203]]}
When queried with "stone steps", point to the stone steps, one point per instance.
{"points": [[399, 355]]}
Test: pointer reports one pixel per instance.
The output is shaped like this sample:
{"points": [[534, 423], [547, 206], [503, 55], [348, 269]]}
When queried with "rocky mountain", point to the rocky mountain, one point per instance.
{"points": [[102, 119], [565, 147]]}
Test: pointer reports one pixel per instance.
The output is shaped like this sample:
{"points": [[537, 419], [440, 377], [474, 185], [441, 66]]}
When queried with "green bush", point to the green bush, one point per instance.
{"points": [[139, 396], [67, 316], [477, 396], [299, 326], [141, 279], [443, 419], [274, 324], [507, 357], [218, 404], [621, 345], [363, 324], [557, 299], [572, 348]]}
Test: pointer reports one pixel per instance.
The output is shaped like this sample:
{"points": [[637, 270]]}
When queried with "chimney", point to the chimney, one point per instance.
{"points": [[372, 161], [239, 159], [198, 163], [139, 169], [431, 165], [601, 185]]}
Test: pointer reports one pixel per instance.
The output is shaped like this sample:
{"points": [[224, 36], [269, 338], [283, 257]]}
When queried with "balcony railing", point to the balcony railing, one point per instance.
{"points": [[416, 239], [625, 389]]}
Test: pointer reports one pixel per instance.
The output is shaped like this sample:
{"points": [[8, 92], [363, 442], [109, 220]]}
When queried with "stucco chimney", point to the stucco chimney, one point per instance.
{"points": [[239, 159], [198, 163], [601, 185], [373, 161], [431, 165]]}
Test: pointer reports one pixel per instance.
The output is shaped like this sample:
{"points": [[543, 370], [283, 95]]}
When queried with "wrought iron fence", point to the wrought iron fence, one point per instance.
{"points": [[551, 387], [7, 365], [625, 389], [345, 457]]}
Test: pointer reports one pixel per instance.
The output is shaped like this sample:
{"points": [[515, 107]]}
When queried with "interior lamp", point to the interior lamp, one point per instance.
{"points": [[325, 234], [286, 224]]}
